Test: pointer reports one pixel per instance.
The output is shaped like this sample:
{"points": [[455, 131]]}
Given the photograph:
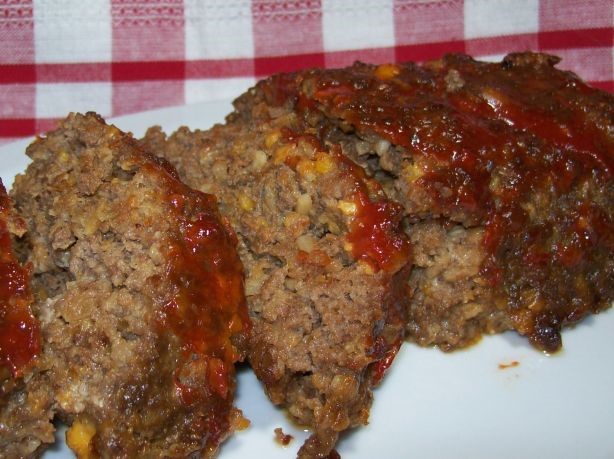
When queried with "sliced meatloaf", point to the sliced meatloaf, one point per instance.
{"points": [[25, 415], [323, 253], [140, 291], [504, 171]]}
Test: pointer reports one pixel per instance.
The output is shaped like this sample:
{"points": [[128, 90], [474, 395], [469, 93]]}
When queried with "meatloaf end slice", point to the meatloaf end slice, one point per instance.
{"points": [[141, 295], [504, 171], [323, 251]]}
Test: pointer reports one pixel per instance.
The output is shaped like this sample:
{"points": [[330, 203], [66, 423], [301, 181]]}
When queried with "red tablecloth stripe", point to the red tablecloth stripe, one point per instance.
{"points": [[123, 56]]}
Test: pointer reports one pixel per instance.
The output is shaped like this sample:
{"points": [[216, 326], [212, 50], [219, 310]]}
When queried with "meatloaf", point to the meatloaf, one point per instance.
{"points": [[504, 171], [324, 254], [140, 292], [24, 414]]}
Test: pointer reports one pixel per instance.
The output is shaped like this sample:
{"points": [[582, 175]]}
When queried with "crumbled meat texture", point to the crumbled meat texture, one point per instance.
{"points": [[327, 309], [122, 252], [25, 415], [505, 174], [447, 289], [282, 438]]}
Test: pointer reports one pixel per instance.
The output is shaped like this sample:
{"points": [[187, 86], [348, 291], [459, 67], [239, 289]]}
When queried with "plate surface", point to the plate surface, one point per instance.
{"points": [[473, 404]]}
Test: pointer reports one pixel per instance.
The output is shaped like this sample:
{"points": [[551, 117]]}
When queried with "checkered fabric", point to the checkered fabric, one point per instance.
{"points": [[124, 56]]}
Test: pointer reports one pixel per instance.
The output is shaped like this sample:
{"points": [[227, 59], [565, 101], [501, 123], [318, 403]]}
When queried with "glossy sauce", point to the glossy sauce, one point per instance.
{"points": [[375, 231], [20, 340], [207, 311], [381, 366], [374, 234]]}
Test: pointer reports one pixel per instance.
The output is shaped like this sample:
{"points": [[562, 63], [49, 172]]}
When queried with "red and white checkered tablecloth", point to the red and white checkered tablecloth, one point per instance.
{"points": [[123, 56]]}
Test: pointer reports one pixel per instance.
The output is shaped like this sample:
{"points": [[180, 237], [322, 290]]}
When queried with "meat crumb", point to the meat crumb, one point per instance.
{"points": [[282, 438]]}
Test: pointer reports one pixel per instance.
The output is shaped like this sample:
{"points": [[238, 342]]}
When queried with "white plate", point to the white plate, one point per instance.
{"points": [[435, 405]]}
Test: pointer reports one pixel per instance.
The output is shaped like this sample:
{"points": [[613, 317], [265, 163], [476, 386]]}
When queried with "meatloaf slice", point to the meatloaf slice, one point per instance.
{"points": [[504, 171], [25, 415], [323, 252], [140, 288]]}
